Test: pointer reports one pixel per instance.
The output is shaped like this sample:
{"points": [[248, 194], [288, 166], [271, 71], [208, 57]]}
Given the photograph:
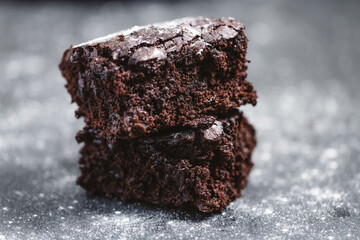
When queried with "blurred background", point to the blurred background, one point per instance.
{"points": [[305, 59]]}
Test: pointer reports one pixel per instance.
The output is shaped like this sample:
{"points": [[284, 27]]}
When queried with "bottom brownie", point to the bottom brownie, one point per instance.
{"points": [[204, 165]]}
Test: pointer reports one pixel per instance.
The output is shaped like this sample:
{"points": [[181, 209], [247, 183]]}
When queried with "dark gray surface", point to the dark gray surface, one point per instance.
{"points": [[306, 181]]}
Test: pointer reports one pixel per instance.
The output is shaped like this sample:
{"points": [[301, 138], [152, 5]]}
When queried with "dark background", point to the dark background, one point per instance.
{"points": [[305, 64]]}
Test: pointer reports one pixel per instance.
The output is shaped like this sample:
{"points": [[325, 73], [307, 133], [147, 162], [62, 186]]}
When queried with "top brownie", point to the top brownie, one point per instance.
{"points": [[147, 79]]}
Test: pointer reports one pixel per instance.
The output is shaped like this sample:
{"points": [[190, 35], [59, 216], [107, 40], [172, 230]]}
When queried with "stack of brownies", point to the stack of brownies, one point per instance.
{"points": [[161, 106]]}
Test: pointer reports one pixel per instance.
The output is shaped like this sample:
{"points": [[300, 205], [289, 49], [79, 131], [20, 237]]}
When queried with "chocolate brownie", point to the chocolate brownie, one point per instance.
{"points": [[150, 79], [203, 165]]}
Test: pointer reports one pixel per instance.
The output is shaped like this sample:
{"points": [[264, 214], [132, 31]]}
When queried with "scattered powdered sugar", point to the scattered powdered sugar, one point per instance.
{"points": [[126, 32], [173, 33], [226, 32], [324, 194], [147, 53], [305, 183], [109, 36]]}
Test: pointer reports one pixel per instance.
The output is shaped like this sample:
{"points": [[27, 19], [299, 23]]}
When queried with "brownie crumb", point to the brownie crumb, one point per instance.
{"points": [[161, 108]]}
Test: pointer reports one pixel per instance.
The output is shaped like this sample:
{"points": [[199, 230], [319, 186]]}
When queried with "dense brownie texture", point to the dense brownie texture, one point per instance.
{"points": [[160, 104], [149, 79], [202, 166]]}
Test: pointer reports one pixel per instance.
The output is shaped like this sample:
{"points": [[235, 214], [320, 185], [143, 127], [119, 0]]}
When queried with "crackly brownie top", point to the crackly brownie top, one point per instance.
{"points": [[154, 41]]}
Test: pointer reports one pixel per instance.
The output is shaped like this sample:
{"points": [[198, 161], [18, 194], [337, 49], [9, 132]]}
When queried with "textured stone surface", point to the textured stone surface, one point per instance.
{"points": [[306, 179]]}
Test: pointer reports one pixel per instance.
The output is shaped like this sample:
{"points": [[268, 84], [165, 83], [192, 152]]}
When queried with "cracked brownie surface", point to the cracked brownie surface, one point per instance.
{"points": [[148, 79]]}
